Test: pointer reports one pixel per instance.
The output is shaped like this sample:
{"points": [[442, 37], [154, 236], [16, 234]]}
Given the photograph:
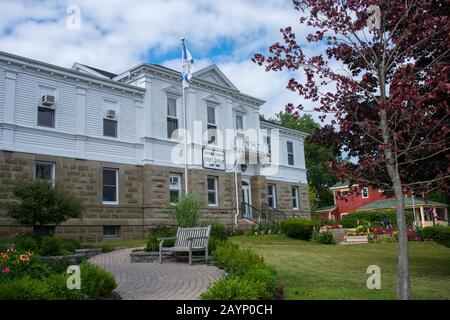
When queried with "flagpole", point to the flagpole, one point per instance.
{"points": [[186, 183]]}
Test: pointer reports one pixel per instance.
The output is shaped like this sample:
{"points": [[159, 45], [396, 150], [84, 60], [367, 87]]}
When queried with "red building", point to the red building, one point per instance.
{"points": [[346, 201]]}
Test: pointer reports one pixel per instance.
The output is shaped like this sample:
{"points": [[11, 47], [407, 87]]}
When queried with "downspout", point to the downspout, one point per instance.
{"points": [[236, 190]]}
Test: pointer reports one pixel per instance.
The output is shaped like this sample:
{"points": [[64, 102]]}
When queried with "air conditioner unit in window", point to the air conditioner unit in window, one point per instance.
{"points": [[48, 100], [111, 113]]}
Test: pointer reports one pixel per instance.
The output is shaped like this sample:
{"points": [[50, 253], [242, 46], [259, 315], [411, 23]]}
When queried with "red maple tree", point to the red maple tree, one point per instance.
{"points": [[383, 79]]}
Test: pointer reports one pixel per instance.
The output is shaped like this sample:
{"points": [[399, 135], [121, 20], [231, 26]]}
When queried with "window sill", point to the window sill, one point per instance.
{"points": [[110, 202]]}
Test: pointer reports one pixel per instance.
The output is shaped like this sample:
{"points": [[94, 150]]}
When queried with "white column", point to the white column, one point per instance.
{"points": [[10, 102], [81, 122], [146, 82]]}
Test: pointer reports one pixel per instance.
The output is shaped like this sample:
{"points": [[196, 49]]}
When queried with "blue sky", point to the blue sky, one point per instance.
{"points": [[115, 35]]}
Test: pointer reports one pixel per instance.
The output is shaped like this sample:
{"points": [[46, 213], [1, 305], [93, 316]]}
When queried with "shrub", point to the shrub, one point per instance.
{"points": [[325, 238], [26, 243], [25, 288], [57, 287], [218, 231], [71, 245], [297, 228], [95, 282], [235, 261], [248, 277], [42, 204], [233, 289], [438, 234], [51, 246], [160, 232], [264, 275], [186, 211], [374, 217]]}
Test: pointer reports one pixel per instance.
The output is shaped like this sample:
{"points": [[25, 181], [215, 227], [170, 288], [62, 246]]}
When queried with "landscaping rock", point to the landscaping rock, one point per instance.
{"points": [[144, 256]]}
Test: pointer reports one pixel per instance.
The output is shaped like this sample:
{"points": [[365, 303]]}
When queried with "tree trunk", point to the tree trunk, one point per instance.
{"points": [[403, 286]]}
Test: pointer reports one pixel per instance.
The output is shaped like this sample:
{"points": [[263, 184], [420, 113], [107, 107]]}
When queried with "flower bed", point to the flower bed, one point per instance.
{"points": [[25, 276]]}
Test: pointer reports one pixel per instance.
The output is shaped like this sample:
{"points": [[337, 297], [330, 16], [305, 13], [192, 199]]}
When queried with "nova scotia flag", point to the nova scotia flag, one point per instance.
{"points": [[187, 65]]}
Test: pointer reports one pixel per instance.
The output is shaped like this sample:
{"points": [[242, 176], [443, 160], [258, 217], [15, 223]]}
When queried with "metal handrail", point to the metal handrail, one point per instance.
{"points": [[262, 215], [279, 212]]}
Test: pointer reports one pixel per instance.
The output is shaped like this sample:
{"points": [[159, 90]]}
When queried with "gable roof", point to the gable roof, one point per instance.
{"points": [[94, 71], [213, 74]]}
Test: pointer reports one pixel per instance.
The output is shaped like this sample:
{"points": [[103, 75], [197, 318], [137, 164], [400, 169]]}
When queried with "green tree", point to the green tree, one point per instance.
{"points": [[319, 178], [39, 203]]}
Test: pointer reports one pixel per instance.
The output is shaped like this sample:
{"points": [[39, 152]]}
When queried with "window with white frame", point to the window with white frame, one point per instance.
{"points": [[239, 124], [45, 170], [272, 195], [174, 187], [212, 191], [290, 153], [268, 142], [211, 125], [172, 118], [365, 193], [110, 186], [295, 202]]}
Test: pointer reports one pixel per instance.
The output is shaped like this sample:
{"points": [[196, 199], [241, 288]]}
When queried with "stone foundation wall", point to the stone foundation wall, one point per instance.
{"points": [[143, 195], [259, 185]]}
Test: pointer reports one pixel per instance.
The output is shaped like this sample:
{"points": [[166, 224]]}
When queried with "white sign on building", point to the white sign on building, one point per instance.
{"points": [[213, 159]]}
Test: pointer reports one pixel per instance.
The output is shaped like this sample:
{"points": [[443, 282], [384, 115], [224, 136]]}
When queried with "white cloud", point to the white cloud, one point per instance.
{"points": [[116, 35]]}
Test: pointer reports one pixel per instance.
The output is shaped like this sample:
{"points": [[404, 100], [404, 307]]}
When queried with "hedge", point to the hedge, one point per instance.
{"points": [[297, 228], [375, 217], [438, 234]]}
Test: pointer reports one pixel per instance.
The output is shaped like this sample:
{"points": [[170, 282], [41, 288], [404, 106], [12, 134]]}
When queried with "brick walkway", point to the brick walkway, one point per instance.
{"points": [[154, 281]]}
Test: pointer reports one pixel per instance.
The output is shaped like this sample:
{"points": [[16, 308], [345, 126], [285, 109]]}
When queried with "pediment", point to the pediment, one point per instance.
{"points": [[175, 90], [213, 75]]}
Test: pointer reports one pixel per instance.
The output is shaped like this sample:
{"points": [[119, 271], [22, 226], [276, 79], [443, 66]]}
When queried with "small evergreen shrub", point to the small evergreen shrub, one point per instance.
{"points": [[265, 275], [218, 231], [325, 238], [51, 246], [26, 243], [233, 289], [95, 282], [71, 245], [297, 228]]}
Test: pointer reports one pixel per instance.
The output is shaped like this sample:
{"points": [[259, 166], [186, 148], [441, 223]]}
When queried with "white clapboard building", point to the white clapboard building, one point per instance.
{"points": [[116, 141]]}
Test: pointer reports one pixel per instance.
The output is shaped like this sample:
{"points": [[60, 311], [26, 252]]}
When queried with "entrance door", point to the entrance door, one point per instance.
{"points": [[246, 198]]}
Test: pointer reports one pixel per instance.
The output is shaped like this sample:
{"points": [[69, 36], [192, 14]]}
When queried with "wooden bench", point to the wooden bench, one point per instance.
{"points": [[188, 240]]}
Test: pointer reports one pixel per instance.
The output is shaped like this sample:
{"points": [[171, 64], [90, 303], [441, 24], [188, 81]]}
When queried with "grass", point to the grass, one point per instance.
{"points": [[118, 243], [313, 271]]}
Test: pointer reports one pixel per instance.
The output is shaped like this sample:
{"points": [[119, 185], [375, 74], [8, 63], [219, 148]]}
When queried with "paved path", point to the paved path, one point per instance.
{"points": [[154, 281]]}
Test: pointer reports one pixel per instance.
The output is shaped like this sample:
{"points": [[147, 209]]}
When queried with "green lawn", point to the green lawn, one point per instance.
{"points": [[313, 271]]}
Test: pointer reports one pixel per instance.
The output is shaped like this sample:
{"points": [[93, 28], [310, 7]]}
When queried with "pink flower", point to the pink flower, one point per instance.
{"points": [[5, 270]]}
